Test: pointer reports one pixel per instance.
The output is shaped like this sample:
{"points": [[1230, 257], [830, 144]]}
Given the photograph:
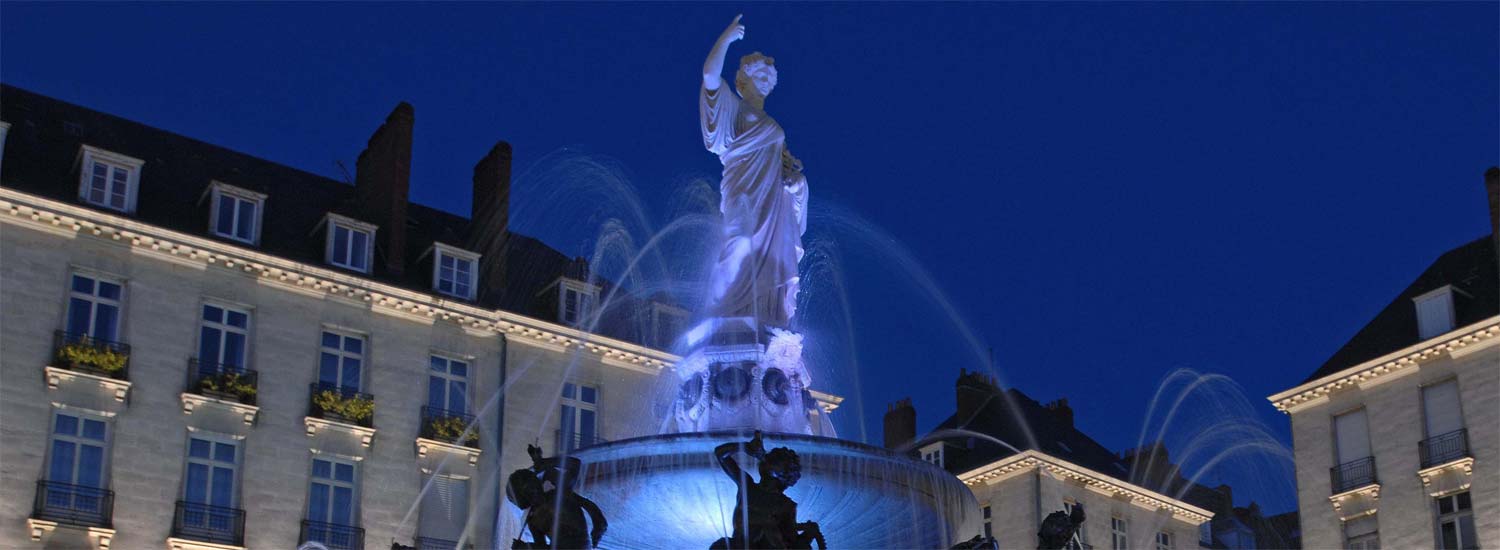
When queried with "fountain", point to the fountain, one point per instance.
{"points": [[744, 374]]}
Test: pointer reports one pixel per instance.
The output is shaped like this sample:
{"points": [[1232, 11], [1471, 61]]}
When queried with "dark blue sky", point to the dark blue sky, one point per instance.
{"points": [[1106, 192]]}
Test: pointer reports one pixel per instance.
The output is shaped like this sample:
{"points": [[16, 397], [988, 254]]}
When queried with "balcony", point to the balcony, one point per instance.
{"points": [[429, 543], [83, 353], [74, 504], [230, 383], [206, 523], [1353, 475], [449, 426], [340, 404], [1442, 449], [332, 535], [568, 442]]}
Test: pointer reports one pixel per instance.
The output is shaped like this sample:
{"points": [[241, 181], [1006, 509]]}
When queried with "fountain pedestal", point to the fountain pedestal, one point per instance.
{"points": [[734, 381]]}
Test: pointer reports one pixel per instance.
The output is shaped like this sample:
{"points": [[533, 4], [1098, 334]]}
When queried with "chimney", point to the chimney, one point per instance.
{"points": [[1061, 411], [1492, 188], [900, 423], [489, 216], [972, 391], [381, 179]]}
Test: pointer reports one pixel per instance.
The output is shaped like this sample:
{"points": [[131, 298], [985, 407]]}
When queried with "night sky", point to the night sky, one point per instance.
{"points": [[1105, 193]]}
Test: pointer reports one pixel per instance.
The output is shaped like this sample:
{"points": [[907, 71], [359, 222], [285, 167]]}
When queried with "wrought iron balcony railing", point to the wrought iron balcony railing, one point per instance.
{"points": [[1444, 448], [430, 543], [81, 352], [207, 523], [332, 535], [227, 382], [451, 426], [74, 504], [1353, 474], [341, 404], [571, 441]]}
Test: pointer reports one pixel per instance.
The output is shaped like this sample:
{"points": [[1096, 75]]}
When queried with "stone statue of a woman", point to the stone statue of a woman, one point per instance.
{"points": [[763, 195]]}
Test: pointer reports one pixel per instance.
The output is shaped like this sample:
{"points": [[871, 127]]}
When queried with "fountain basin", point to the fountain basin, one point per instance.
{"points": [[667, 491]]}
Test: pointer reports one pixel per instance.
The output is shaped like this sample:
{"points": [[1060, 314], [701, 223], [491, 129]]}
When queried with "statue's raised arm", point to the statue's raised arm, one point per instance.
{"points": [[725, 454], [713, 67]]}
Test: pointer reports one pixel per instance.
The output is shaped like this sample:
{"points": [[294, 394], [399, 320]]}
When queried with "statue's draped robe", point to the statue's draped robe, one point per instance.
{"points": [[764, 203]]}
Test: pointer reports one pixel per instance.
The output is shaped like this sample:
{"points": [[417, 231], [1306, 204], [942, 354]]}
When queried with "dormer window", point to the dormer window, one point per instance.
{"points": [[576, 303], [236, 212], [454, 271], [349, 243], [1435, 312], [666, 324], [110, 180]]}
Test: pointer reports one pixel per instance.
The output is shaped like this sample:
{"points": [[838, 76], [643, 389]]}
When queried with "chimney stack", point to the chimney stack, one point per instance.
{"points": [[900, 423], [1061, 411], [381, 181], [489, 216], [1492, 188], [973, 391]]}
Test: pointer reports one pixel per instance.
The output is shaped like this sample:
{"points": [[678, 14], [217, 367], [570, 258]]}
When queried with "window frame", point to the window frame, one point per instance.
{"points": [[1444, 295], [1456, 517], [341, 354], [223, 327], [587, 300], [94, 301], [331, 223], [89, 155], [333, 482], [988, 515], [1119, 533], [1165, 540], [218, 189], [236, 467], [578, 404], [449, 379], [442, 251], [77, 440]]}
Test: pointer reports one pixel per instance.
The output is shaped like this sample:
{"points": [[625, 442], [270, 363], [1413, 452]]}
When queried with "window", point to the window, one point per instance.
{"points": [[76, 467], [94, 308], [236, 213], [933, 454], [331, 503], [580, 404], [209, 489], [989, 518], [577, 302], [1352, 445], [1119, 533], [341, 361], [453, 271], [448, 384], [109, 179], [223, 338], [1456, 522], [445, 511], [1164, 540], [349, 243], [1206, 534], [1362, 533], [667, 324], [1434, 312]]}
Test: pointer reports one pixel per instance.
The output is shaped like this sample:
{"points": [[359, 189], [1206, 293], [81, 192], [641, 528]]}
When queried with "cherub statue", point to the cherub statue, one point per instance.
{"points": [[554, 514], [1059, 527], [770, 522]]}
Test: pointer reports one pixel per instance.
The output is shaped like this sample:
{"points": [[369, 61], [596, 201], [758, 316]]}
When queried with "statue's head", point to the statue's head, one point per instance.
{"points": [[782, 465], [757, 75], [524, 489]]}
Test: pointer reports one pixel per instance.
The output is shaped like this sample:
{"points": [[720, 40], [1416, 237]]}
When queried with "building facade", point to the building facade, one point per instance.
{"points": [[205, 350], [1395, 435], [1045, 465]]}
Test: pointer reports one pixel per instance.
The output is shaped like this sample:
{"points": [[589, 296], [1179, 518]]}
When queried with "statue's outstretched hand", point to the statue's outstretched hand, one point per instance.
{"points": [[535, 453], [735, 32], [756, 447]]}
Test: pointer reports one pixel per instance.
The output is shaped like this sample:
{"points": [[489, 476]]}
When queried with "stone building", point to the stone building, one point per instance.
{"points": [[1395, 436], [206, 350], [1054, 466]]}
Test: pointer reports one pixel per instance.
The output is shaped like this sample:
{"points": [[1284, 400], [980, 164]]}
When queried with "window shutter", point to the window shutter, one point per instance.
{"points": [[1353, 435], [1440, 403], [445, 508], [1435, 313]]}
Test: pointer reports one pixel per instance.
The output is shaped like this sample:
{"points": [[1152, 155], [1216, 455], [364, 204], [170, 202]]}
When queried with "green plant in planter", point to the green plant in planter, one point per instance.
{"points": [[451, 428], [102, 359], [354, 408], [228, 382]]}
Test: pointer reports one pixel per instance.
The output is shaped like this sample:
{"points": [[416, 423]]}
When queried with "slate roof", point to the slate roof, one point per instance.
{"points": [[1004, 418], [1471, 268], [42, 151]]}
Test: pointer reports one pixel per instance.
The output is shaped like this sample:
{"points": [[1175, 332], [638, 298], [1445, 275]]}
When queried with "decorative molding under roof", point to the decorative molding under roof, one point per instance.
{"points": [[1032, 459], [1397, 362]]}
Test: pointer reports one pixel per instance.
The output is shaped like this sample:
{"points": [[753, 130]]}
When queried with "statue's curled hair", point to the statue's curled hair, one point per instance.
{"points": [[754, 63]]}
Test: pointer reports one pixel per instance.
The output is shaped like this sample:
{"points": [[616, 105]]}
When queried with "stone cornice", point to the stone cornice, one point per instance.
{"points": [[1391, 364], [59, 217], [1031, 459]]}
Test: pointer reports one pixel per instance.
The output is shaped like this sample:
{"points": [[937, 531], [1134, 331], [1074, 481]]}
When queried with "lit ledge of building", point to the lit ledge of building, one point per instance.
{"points": [[192, 401], [424, 445], [1465, 464], [57, 376], [1357, 502], [174, 543], [314, 425], [41, 528]]}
